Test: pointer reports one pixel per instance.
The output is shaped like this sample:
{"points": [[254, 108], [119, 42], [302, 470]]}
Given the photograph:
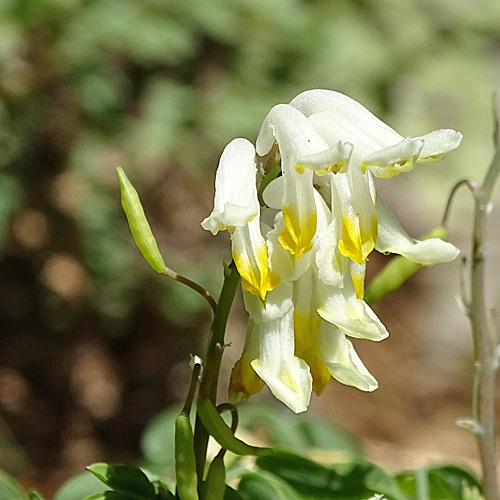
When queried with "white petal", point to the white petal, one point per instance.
{"points": [[338, 117], [342, 361], [393, 160], [291, 130], [392, 238], [331, 264], [277, 303], [353, 316], [350, 118], [332, 160], [287, 376], [299, 212], [327, 258], [235, 188], [438, 143], [273, 194]]}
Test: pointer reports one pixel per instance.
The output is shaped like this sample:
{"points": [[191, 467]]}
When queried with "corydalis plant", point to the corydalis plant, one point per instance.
{"points": [[301, 250]]}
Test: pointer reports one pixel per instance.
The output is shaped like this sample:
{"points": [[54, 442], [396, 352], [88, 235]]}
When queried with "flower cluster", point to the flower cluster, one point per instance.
{"points": [[302, 244]]}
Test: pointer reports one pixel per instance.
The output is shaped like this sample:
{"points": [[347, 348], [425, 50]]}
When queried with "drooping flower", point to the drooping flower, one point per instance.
{"points": [[302, 255], [237, 209]]}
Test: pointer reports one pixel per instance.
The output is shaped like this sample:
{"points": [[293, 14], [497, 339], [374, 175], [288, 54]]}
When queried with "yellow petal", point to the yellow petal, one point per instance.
{"points": [[357, 242], [244, 381], [298, 233], [305, 328], [249, 252]]}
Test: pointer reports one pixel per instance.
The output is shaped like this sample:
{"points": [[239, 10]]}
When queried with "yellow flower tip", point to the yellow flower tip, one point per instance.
{"points": [[256, 277], [268, 282], [321, 378], [297, 236], [359, 285], [244, 381], [355, 243], [319, 372], [333, 169], [305, 327], [299, 168]]}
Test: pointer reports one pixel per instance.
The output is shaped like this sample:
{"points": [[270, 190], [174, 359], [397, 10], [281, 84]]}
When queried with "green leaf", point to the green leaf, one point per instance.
{"points": [[162, 491], [9, 487], [34, 495], [219, 430], [79, 487], [309, 478], [455, 477], [265, 486], [446, 482], [124, 479], [231, 494], [354, 480], [115, 495], [380, 481]]}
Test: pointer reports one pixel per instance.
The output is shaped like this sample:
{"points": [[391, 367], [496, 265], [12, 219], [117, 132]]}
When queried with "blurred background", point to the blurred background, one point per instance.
{"points": [[93, 343]]}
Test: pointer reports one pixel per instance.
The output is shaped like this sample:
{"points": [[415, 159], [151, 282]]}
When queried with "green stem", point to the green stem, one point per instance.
{"points": [[422, 483], [210, 377], [191, 284], [485, 340]]}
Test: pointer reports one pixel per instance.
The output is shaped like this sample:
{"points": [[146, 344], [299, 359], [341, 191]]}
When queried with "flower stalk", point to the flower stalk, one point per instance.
{"points": [[210, 376]]}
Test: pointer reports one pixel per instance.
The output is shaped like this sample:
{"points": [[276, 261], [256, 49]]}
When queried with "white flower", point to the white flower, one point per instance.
{"points": [[302, 257]]}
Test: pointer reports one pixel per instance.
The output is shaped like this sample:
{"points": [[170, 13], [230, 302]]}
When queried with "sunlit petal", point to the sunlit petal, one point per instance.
{"points": [[437, 144], [332, 160], [287, 376], [393, 160], [353, 121], [392, 238], [282, 261], [342, 361], [235, 188], [353, 316], [277, 303]]}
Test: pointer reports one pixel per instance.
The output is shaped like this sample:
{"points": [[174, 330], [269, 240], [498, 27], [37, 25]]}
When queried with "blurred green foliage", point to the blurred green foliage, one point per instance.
{"points": [[159, 87]]}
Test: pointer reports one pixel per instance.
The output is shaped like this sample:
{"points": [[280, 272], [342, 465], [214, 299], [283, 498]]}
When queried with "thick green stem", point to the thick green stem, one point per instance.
{"points": [[210, 377], [485, 340]]}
